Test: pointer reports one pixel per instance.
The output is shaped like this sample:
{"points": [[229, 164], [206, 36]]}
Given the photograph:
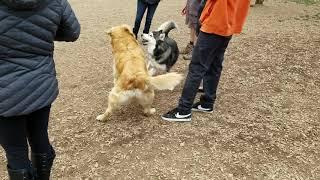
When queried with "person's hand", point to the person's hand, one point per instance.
{"points": [[184, 11]]}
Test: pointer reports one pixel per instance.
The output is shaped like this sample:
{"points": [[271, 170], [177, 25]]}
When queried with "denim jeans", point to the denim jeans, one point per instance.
{"points": [[16, 132], [141, 9], [206, 65]]}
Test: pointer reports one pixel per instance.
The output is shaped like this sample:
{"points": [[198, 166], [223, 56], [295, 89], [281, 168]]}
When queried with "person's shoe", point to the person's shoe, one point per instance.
{"points": [[187, 49], [176, 116], [201, 108], [187, 56], [21, 174]]}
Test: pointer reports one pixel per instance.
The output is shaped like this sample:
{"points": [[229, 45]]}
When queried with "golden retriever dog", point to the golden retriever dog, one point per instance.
{"points": [[132, 82]]}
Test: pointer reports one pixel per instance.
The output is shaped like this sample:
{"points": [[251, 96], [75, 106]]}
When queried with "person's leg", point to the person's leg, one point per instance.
{"points": [[13, 139], [203, 56], [42, 152], [37, 130], [151, 10], [192, 36], [141, 8], [207, 47], [212, 77], [188, 49], [193, 39], [190, 46]]}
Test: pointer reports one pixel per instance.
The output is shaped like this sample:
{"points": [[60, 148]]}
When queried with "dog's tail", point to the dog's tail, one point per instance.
{"points": [[166, 81], [167, 27]]}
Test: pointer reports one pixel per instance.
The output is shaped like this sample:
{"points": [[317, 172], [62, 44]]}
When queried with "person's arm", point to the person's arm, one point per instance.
{"points": [[69, 28], [201, 7]]}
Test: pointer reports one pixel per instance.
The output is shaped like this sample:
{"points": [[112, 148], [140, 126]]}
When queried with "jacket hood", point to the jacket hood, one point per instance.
{"points": [[22, 4]]}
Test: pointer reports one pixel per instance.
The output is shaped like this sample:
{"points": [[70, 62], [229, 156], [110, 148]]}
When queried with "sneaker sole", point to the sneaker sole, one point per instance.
{"points": [[177, 120], [197, 110]]}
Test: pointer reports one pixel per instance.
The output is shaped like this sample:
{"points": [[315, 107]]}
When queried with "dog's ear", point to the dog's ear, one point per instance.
{"points": [[162, 36], [127, 29]]}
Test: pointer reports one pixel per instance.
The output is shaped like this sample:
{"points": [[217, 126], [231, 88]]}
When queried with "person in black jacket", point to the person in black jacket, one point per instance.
{"points": [[28, 84], [142, 6]]}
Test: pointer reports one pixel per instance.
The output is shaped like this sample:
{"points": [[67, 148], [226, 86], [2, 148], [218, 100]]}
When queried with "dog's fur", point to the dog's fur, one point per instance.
{"points": [[131, 78], [163, 51]]}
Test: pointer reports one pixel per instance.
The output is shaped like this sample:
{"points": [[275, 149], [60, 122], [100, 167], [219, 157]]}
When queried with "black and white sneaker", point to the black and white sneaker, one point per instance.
{"points": [[176, 116], [200, 108]]}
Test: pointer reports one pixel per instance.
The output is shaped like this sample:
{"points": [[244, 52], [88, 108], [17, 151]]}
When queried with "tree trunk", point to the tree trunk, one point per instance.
{"points": [[259, 1]]}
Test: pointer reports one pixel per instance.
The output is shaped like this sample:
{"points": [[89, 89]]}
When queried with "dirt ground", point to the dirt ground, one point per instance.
{"points": [[266, 120]]}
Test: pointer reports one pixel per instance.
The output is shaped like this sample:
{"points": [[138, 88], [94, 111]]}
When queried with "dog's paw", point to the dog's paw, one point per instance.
{"points": [[101, 118], [149, 112], [152, 110]]}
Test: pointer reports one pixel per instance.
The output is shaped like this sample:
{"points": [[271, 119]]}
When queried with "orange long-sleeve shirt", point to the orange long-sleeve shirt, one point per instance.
{"points": [[224, 17]]}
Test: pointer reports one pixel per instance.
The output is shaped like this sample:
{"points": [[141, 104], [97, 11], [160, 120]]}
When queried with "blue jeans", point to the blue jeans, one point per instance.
{"points": [[141, 9], [206, 65], [16, 132]]}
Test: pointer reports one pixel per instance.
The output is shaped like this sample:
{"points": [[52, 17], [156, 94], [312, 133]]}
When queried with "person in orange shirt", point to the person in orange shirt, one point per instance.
{"points": [[219, 20]]}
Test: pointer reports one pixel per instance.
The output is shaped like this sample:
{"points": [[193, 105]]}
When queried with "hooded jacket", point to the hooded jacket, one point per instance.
{"points": [[28, 29]]}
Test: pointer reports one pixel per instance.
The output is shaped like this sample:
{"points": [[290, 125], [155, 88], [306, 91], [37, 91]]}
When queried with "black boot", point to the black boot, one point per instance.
{"points": [[43, 163], [21, 174]]}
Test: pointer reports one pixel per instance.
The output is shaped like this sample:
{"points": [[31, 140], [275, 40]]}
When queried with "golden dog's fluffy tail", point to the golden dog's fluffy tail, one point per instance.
{"points": [[166, 81]]}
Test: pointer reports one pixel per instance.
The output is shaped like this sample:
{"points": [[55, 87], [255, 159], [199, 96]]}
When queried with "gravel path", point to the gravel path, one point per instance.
{"points": [[266, 121]]}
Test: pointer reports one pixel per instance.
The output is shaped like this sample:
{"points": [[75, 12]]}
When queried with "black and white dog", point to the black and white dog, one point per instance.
{"points": [[162, 50]]}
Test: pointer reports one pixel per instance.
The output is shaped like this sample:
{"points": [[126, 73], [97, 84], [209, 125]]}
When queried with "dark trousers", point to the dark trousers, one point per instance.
{"points": [[141, 9], [16, 132], [206, 65]]}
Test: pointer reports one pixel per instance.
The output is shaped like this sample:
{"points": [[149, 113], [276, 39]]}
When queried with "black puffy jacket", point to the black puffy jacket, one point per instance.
{"points": [[28, 29]]}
